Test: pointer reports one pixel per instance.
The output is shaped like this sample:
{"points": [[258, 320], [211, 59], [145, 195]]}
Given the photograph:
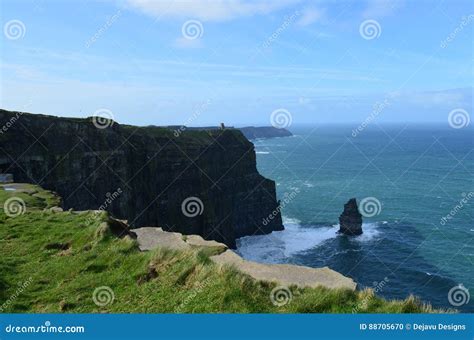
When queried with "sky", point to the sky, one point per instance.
{"points": [[204, 62]]}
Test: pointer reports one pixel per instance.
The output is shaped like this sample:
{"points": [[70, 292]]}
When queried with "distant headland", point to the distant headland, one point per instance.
{"points": [[250, 132]]}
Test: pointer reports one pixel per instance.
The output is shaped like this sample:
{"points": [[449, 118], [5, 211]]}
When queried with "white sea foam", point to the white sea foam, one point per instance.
{"points": [[278, 246], [370, 232], [290, 220], [262, 152]]}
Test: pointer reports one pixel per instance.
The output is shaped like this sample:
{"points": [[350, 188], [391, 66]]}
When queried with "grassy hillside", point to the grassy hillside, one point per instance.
{"points": [[53, 261]]}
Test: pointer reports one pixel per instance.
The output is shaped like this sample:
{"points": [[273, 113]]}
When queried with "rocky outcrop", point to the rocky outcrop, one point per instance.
{"points": [[350, 221], [283, 274], [150, 238], [192, 182], [252, 132], [286, 274]]}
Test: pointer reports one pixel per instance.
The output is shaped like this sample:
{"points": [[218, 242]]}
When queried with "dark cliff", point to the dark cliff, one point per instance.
{"points": [[252, 132], [144, 174]]}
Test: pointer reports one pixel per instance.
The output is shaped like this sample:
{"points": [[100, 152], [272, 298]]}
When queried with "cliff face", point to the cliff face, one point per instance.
{"points": [[194, 182]]}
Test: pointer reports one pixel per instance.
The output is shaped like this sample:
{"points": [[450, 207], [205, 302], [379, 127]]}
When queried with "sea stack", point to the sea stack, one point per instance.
{"points": [[350, 220]]}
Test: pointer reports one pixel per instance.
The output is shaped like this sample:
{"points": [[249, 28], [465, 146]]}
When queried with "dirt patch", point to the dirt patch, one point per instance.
{"points": [[58, 246], [150, 275]]}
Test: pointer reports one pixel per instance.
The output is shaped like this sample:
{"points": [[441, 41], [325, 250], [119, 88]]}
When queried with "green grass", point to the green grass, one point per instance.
{"points": [[54, 261]]}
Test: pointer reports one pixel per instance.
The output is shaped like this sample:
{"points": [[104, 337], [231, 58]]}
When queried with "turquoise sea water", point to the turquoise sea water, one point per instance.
{"points": [[413, 175]]}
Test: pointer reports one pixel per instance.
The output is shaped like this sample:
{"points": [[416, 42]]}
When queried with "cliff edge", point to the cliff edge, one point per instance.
{"points": [[195, 182]]}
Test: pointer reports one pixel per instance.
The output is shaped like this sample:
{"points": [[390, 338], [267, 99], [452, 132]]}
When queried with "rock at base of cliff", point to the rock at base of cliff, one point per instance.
{"points": [[350, 220]]}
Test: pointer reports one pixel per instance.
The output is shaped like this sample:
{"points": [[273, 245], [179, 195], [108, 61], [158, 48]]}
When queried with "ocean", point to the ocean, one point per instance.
{"points": [[417, 185]]}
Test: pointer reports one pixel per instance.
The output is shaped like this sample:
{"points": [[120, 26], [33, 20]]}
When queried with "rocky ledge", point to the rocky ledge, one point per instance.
{"points": [[283, 274], [192, 182]]}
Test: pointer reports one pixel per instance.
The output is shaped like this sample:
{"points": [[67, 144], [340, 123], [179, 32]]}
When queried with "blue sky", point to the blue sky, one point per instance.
{"points": [[247, 59]]}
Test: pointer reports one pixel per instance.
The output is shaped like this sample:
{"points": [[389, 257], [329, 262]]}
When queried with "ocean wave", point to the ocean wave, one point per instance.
{"points": [[371, 232], [279, 246], [262, 152], [290, 220]]}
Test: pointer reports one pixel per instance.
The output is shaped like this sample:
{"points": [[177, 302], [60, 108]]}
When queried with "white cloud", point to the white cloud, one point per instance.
{"points": [[310, 16], [208, 10], [453, 97], [381, 8], [182, 42]]}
